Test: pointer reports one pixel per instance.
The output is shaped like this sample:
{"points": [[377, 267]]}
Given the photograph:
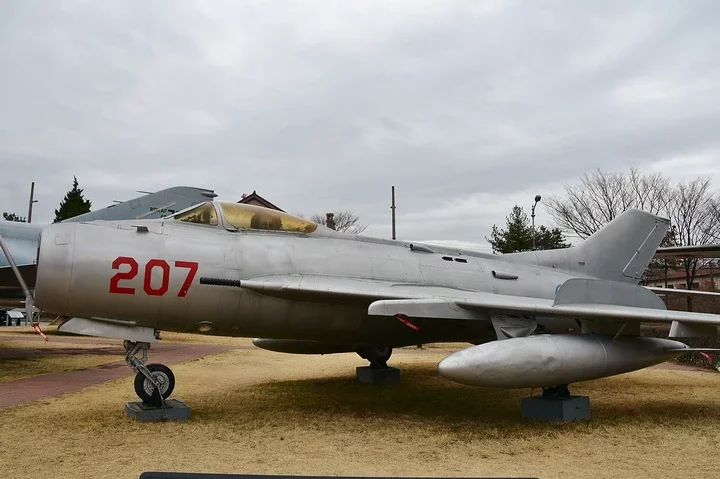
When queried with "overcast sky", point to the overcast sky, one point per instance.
{"points": [[467, 107]]}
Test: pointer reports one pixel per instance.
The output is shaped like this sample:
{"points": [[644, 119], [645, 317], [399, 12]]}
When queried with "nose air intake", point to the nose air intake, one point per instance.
{"points": [[54, 268]]}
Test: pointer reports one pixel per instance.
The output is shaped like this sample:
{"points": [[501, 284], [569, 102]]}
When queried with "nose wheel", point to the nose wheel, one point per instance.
{"points": [[154, 383]]}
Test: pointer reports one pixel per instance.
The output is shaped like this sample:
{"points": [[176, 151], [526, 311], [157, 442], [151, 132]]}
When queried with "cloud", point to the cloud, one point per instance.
{"points": [[467, 107]]}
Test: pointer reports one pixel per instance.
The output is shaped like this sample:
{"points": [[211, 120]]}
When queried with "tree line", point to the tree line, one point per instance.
{"points": [[73, 204], [693, 208]]}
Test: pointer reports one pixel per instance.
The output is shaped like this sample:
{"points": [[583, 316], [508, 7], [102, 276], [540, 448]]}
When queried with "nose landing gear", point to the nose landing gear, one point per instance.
{"points": [[154, 383]]}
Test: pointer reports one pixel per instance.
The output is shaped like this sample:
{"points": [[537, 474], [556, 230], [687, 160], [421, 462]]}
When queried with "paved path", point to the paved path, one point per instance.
{"points": [[26, 390], [34, 337]]}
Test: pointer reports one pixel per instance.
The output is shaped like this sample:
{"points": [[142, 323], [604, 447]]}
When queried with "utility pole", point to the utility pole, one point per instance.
{"points": [[532, 215], [393, 212], [30, 203]]}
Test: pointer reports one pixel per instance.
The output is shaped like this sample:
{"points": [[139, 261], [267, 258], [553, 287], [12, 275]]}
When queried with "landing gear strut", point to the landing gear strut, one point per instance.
{"points": [[378, 356], [560, 391], [154, 382]]}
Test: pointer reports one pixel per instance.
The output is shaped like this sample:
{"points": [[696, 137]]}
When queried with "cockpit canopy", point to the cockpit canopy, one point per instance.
{"points": [[242, 216]]}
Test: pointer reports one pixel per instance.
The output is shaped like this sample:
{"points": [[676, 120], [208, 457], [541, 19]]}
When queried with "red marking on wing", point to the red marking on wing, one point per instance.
{"points": [[404, 319]]}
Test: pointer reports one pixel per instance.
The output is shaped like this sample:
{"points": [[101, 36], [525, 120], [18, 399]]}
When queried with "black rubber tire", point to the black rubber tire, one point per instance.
{"points": [[378, 355], [382, 353], [146, 390]]}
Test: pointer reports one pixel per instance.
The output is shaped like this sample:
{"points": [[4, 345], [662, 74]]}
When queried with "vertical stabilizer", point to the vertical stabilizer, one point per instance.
{"points": [[620, 251]]}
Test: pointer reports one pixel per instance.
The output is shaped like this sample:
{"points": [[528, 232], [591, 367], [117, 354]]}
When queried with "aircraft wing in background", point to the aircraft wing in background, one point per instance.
{"points": [[683, 292], [681, 252]]}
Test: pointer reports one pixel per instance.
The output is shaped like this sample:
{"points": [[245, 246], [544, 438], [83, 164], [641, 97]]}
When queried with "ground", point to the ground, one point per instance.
{"points": [[260, 412]]}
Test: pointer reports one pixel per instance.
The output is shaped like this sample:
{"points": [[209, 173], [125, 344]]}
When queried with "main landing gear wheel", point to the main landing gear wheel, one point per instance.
{"points": [[378, 356], [154, 383], [560, 391], [146, 390]]}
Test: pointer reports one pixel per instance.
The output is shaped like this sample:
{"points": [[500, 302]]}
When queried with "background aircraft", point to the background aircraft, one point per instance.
{"points": [[696, 251], [22, 238], [239, 270]]}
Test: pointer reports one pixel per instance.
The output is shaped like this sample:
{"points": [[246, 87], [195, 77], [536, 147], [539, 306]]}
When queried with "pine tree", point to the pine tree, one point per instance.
{"points": [[518, 235], [73, 204]]}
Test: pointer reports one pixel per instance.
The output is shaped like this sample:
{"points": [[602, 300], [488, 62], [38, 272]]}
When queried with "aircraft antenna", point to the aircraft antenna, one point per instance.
{"points": [[30, 203], [392, 207]]}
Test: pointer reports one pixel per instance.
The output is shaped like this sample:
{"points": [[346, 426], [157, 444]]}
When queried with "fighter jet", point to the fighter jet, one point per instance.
{"points": [[536, 319]]}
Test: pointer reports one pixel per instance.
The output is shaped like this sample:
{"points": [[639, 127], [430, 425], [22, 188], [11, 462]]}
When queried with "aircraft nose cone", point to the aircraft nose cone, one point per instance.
{"points": [[54, 267]]}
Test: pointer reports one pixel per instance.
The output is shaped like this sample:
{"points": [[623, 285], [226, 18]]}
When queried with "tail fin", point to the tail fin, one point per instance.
{"points": [[620, 251], [151, 205]]}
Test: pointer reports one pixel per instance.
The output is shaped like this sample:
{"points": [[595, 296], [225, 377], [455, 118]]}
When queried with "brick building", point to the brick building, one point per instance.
{"points": [[706, 279]]}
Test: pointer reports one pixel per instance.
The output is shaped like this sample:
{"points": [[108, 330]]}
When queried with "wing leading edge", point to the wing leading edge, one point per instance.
{"points": [[577, 298]]}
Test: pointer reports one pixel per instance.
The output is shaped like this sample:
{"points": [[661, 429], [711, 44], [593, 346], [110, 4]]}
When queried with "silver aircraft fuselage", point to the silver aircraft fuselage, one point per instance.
{"points": [[148, 271], [241, 270]]}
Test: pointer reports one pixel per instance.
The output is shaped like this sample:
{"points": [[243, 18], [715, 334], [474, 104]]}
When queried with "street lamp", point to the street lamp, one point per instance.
{"points": [[532, 215]]}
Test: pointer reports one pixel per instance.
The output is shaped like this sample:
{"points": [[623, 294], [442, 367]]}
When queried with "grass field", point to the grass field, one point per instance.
{"points": [[19, 368], [20, 358], [262, 412]]}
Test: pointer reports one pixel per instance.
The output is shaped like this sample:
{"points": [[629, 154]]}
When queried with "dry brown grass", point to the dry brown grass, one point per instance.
{"points": [[14, 368], [41, 346], [262, 412]]}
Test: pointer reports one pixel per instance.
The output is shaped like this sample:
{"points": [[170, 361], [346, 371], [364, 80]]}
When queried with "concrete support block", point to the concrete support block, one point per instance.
{"points": [[567, 409], [369, 375], [175, 410]]}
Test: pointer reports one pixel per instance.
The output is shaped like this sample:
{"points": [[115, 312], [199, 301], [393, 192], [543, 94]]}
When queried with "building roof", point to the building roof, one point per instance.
{"points": [[255, 199]]}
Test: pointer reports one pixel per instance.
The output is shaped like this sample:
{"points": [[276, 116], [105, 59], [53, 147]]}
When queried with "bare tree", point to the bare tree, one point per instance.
{"points": [[692, 207], [346, 221], [696, 221], [601, 196]]}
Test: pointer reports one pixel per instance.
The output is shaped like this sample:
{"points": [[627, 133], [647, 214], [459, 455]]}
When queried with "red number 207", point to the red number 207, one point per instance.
{"points": [[153, 264]]}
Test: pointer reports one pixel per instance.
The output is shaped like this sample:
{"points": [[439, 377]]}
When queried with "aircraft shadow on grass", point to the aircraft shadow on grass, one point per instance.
{"points": [[423, 395]]}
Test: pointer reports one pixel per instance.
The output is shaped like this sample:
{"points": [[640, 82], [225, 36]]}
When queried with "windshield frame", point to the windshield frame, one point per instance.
{"points": [[269, 215], [217, 214]]}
